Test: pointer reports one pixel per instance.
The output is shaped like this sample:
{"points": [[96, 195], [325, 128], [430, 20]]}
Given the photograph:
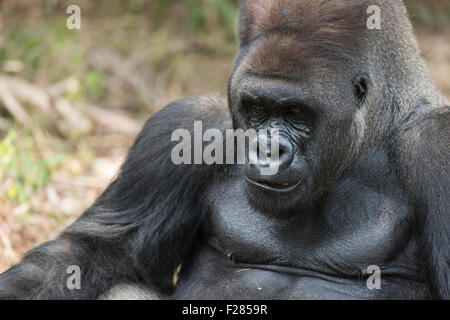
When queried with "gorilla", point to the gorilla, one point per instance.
{"points": [[363, 177]]}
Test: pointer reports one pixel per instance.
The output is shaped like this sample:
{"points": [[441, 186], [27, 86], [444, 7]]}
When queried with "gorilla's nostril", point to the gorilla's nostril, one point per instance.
{"points": [[286, 154]]}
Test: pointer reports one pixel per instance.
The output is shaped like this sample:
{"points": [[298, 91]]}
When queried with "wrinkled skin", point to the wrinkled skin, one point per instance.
{"points": [[363, 177]]}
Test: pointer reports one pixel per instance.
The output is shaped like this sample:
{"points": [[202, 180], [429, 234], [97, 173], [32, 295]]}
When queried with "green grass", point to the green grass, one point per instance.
{"points": [[20, 161]]}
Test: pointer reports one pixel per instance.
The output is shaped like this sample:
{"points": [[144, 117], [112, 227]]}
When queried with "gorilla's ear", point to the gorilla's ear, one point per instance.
{"points": [[360, 89]]}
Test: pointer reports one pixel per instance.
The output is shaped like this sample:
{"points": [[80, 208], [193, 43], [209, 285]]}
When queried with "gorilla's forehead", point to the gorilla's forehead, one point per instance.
{"points": [[312, 84], [281, 53], [327, 27], [280, 59]]}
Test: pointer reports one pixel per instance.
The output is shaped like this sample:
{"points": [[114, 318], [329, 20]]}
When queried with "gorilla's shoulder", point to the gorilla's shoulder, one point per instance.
{"points": [[212, 111], [428, 125], [200, 106]]}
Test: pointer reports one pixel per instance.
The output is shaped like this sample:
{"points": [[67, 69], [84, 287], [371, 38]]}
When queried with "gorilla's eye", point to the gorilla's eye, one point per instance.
{"points": [[258, 111], [300, 112], [297, 110], [360, 89]]}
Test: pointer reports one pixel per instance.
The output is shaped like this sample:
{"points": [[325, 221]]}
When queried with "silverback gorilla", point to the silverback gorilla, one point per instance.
{"points": [[363, 177]]}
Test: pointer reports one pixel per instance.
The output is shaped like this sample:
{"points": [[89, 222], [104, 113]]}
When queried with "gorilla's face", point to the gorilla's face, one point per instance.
{"points": [[315, 107]]}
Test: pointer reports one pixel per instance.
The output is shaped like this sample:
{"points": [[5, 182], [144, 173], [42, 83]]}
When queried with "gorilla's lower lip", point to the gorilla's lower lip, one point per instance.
{"points": [[272, 186]]}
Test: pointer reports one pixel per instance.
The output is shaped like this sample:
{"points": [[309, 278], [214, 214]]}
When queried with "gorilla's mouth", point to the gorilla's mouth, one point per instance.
{"points": [[273, 186], [276, 185]]}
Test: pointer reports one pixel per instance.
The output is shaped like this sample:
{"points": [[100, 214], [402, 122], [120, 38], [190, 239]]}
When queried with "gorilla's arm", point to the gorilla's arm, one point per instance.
{"points": [[140, 229], [423, 151]]}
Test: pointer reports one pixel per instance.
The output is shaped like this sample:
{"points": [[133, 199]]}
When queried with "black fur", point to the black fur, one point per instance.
{"points": [[138, 231], [370, 166], [422, 151]]}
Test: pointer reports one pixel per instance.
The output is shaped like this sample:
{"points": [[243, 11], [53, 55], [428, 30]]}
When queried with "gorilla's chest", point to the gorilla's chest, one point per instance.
{"points": [[320, 254], [353, 228], [363, 221]]}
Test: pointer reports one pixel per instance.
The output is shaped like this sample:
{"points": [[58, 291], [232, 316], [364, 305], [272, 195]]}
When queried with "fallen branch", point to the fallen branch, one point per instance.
{"points": [[72, 115], [112, 120], [110, 61], [30, 94], [11, 103]]}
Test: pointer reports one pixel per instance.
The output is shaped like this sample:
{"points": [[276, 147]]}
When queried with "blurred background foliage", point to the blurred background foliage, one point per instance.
{"points": [[72, 101]]}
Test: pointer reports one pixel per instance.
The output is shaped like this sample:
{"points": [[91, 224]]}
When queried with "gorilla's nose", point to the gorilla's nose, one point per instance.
{"points": [[279, 155], [286, 154]]}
